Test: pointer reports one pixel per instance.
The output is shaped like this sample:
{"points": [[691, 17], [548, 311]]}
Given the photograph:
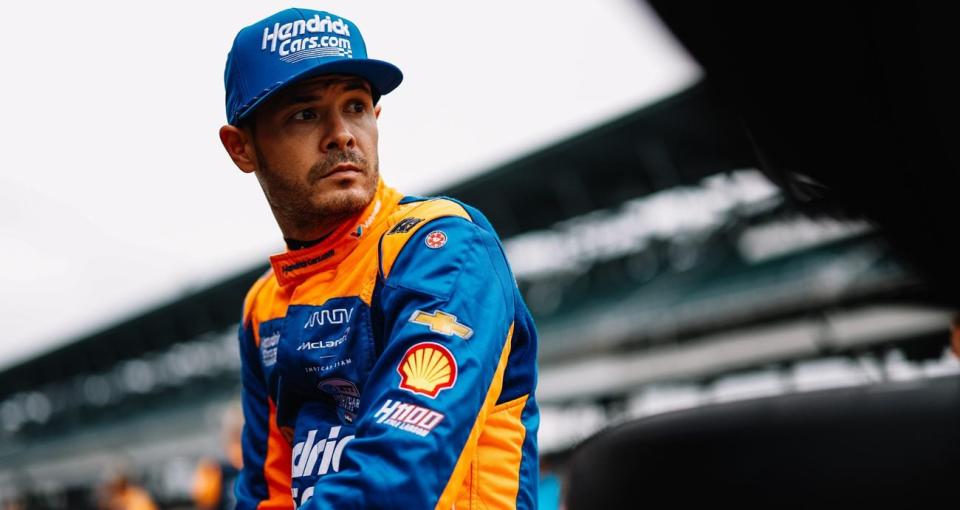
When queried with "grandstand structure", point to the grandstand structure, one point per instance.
{"points": [[662, 270]]}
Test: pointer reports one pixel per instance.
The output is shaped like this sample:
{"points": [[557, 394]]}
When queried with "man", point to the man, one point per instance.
{"points": [[388, 359]]}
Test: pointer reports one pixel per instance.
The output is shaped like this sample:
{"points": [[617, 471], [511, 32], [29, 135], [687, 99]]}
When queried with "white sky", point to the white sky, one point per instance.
{"points": [[116, 196]]}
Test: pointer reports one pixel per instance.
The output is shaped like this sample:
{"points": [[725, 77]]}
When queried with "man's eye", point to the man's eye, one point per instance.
{"points": [[357, 107], [304, 115]]}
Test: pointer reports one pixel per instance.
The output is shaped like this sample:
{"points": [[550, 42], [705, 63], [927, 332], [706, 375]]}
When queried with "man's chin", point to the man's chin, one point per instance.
{"points": [[343, 202]]}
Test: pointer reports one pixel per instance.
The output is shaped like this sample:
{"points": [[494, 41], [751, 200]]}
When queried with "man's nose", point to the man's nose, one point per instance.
{"points": [[340, 137]]}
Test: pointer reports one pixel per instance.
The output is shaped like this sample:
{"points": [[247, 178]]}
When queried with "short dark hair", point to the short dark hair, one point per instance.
{"points": [[248, 122]]}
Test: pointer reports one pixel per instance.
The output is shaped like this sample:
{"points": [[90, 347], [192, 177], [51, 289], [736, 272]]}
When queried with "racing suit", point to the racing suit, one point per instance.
{"points": [[391, 365]]}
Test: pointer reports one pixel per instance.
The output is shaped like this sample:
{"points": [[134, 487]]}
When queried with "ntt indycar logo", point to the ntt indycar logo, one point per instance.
{"points": [[287, 42]]}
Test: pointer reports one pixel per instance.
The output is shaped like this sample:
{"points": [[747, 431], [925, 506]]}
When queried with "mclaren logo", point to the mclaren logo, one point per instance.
{"points": [[442, 322], [324, 344]]}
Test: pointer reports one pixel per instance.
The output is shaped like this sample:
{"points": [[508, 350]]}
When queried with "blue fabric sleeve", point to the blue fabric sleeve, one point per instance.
{"points": [[251, 486], [447, 309]]}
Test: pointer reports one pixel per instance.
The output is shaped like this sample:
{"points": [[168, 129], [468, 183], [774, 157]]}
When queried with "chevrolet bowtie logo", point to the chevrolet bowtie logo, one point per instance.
{"points": [[442, 322]]}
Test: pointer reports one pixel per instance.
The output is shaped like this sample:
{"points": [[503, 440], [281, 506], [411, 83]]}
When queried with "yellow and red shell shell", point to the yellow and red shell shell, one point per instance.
{"points": [[427, 368]]}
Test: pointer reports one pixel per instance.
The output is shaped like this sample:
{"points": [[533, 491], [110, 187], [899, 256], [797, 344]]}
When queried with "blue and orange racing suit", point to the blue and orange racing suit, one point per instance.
{"points": [[392, 365]]}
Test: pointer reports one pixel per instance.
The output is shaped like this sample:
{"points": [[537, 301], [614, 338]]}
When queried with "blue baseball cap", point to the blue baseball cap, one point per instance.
{"points": [[292, 45]]}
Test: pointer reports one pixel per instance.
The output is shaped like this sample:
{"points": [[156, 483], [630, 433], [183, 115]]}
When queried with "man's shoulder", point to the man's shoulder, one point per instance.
{"points": [[432, 206], [432, 249], [250, 301], [416, 210], [416, 213]]}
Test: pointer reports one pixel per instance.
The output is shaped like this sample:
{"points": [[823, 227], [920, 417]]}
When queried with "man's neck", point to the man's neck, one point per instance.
{"points": [[303, 231], [307, 232], [297, 244]]}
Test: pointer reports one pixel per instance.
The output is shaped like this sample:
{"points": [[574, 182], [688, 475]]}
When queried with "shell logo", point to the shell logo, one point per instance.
{"points": [[427, 368]]}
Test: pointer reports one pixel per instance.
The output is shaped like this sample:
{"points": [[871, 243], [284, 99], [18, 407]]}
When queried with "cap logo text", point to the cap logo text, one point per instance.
{"points": [[283, 39]]}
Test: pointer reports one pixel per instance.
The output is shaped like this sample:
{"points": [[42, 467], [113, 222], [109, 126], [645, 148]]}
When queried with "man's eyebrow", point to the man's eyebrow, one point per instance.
{"points": [[349, 84], [357, 85], [303, 98]]}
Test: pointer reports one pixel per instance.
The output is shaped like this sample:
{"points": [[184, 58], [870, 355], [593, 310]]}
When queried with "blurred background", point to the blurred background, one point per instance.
{"points": [[671, 260]]}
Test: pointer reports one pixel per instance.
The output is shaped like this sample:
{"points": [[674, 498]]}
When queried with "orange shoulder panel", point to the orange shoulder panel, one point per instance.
{"points": [[394, 240], [251, 296]]}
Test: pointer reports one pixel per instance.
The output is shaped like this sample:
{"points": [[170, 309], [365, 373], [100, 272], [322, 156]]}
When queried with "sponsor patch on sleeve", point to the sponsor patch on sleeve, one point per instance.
{"points": [[408, 417], [404, 225], [442, 322], [427, 368], [268, 349], [436, 239]]}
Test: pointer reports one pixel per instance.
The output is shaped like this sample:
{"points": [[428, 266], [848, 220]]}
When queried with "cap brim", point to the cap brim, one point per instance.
{"points": [[383, 77]]}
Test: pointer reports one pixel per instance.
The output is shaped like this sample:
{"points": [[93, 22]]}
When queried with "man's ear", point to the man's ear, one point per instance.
{"points": [[239, 147], [376, 111]]}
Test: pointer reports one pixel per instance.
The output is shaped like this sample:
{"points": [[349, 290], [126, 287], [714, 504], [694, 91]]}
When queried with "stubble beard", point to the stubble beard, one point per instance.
{"points": [[299, 205]]}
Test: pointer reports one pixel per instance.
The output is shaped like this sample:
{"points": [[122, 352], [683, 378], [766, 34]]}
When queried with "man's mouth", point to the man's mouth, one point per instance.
{"points": [[342, 168], [341, 165]]}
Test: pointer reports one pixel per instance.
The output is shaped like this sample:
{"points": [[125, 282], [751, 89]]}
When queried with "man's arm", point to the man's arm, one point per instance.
{"points": [[263, 482], [447, 305]]}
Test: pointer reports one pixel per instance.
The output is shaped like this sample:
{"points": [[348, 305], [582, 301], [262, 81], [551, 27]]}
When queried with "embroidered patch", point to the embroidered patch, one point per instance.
{"points": [[306, 263], [268, 349], [408, 417], [345, 394], [436, 239], [404, 225], [427, 368], [442, 322]]}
